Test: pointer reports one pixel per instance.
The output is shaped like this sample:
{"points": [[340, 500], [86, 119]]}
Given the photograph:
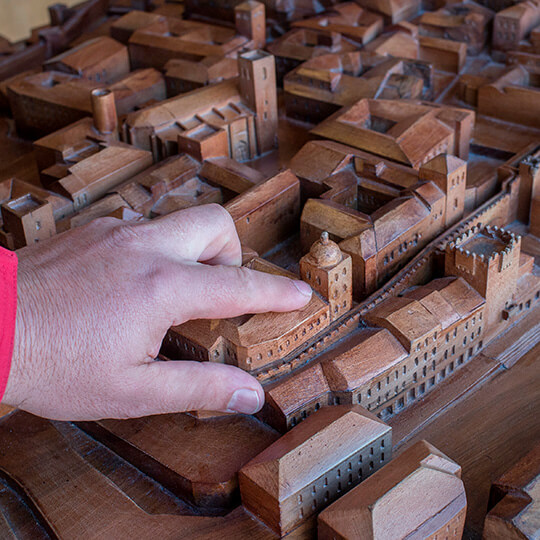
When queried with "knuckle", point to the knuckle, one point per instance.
{"points": [[124, 235]]}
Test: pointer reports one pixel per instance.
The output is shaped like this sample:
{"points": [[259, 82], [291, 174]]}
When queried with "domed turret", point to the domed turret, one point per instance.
{"points": [[325, 252], [329, 271]]}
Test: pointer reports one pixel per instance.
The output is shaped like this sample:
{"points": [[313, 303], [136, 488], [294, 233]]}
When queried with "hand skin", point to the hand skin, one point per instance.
{"points": [[95, 303]]}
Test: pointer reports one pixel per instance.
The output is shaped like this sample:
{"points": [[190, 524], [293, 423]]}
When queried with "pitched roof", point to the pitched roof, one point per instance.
{"points": [[316, 445], [379, 507], [299, 389], [444, 164], [406, 318], [379, 352]]}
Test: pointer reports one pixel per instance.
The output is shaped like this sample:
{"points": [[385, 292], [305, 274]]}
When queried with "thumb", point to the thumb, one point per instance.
{"points": [[179, 386]]}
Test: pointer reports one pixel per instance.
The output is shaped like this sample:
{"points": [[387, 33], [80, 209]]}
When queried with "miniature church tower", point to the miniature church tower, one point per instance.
{"points": [[329, 271], [449, 173], [487, 259], [251, 22], [529, 186], [258, 87]]}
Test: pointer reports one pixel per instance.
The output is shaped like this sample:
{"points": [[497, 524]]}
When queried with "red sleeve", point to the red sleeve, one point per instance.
{"points": [[8, 311]]}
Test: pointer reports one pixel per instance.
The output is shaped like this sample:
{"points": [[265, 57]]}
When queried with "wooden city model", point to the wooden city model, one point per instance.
{"points": [[387, 153]]}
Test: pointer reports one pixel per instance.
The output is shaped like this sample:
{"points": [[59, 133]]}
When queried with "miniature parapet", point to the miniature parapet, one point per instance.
{"points": [[313, 464], [407, 132], [513, 501], [419, 494], [236, 118], [320, 86]]}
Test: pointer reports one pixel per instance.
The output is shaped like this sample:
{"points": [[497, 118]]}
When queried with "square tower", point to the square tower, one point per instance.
{"points": [[449, 173], [529, 186], [258, 88], [28, 219], [251, 22], [329, 271], [488, 259]]}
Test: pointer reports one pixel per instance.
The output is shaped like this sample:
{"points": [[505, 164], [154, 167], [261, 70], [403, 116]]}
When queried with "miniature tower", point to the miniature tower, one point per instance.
{"points": [[104, 110], [529, 186], [258, 87], [329, 271], [449, 173], [487, 259], [28, 220], [251, 22]]}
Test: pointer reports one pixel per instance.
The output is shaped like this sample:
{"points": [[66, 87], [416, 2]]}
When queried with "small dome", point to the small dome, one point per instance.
{"points": [[325, 252]]}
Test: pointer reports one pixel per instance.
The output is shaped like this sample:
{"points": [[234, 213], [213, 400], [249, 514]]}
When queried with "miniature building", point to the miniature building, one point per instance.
{"points": [[242, 341], [102, 60], [419, 494], [168, 38], [347, 19], [466, 22], [395, 130], [235, 119], [505, 97], [28, 219], [290, 402], [184, 75], [300, 45], [329, 272], [529, 187], [489, 261], [311, 465], [514, 23], [394, 11], [320, 86], [449, 173], [251, 22], [513, 501], [42, 103]]}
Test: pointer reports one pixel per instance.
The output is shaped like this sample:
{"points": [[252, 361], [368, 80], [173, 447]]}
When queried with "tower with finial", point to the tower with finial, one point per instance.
{"points": [[329, 271]]}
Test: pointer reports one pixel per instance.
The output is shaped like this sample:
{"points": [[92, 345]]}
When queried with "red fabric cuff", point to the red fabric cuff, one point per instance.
{"points": [[8, 312]]}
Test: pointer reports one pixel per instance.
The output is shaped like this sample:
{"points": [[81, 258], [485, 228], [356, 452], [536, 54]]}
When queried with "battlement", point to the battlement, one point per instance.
{"points": [[484, 247]]}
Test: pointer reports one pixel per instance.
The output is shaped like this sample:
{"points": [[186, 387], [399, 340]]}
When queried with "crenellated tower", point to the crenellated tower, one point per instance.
{"points": [[329, 271], [488, 259]]}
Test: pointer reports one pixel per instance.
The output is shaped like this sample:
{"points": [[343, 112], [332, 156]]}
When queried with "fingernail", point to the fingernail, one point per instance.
{"points": [[303, 287], [244, 401]]}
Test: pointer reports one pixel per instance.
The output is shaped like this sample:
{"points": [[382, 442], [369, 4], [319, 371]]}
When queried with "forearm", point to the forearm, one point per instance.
{"points": [[8, 312]]}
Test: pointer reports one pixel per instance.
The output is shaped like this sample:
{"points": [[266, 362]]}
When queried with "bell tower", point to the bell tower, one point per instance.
{"points": [[258, 88], [329, 271]]}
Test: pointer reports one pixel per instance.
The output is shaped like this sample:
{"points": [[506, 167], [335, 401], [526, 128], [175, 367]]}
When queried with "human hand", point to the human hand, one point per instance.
{"points": [[95, 303]]}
